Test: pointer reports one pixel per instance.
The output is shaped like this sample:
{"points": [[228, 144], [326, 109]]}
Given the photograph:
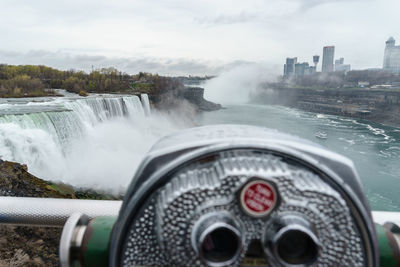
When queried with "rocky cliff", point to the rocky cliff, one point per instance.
{"points": [[378, 105], [193, 96], [27, 246], [32, 246]]}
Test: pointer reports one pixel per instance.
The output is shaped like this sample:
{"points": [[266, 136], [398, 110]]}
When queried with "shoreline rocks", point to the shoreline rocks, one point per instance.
{"points": [[33, 246], [195, 95], [187, 95], [21, 245]]}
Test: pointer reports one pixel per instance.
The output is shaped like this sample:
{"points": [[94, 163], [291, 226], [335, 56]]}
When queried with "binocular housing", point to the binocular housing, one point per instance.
{"points": [[231, 195]]}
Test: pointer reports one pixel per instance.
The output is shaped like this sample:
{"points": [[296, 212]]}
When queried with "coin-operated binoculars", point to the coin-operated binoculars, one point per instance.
{"points": [[235, 196]]}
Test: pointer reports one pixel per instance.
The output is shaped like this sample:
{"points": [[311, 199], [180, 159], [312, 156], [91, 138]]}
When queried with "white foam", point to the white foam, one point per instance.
{"points": [[98, 143]]}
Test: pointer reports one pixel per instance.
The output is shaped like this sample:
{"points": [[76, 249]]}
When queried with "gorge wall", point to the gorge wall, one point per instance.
{"points": [[193, 95], [382, 106]]}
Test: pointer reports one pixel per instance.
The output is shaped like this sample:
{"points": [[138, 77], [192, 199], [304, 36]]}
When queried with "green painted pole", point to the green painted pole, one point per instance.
{"points": [[388, 247], [96, 241]]}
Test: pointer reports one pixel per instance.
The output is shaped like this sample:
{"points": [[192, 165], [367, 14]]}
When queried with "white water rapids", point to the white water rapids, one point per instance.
{"points": [[94, 142]]}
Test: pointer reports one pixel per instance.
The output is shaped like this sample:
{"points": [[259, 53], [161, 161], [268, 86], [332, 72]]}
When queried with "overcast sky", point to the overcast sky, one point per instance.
{"points": [[193, 37]]}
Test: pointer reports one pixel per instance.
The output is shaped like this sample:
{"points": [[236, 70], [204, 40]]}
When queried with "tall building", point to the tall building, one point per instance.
{"points": [[340, 66], [327, 58], [391, 59], [301, 69], [289, 67], [292, 68]]}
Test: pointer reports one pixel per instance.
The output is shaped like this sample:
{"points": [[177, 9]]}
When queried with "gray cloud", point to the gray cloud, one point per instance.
{"points": [[242, 17], [65, 60], [171, 35], [309, 4]]}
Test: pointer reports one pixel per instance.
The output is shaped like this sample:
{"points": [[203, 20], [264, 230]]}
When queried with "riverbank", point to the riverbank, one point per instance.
{"points": [[31, 94], [377, 105], [33, 246]]}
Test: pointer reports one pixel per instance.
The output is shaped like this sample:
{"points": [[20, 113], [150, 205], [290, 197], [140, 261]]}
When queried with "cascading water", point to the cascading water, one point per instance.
{"points": [[94, 142], [146, 103]]}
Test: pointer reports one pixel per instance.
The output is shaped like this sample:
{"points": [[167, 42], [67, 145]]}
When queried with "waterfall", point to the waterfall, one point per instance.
{"points": [[98, 109], [146, 103], [134, 106], [61, 126], [93, 142]]}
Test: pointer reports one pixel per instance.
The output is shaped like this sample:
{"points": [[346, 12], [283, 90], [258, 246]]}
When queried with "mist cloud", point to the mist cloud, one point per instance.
{"points": [[237, 84], [228, 19]]}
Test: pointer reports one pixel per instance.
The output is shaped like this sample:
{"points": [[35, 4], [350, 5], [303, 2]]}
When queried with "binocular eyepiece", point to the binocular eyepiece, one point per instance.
{"points": [[217, 239], [231, 195], [291, 240]]}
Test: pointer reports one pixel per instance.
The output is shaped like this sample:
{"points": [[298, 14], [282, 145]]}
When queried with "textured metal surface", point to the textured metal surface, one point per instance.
{"points": [[175, 151], [46, 211], [161, 231], [52, 211], [25, 211], [168, 150]]}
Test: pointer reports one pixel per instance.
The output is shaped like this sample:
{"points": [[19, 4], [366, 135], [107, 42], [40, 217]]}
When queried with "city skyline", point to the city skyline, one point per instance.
{"points": [[293, 67], [391, 61], [199, 37]]}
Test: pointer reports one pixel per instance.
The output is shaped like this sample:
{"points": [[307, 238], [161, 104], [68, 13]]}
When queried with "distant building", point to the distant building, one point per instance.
{"points": [[343, 67], [316, 61], [340, 66], [289, 67], [363, 84], [327, 58], [391, 59], [301, 69], [339, 61], [382, 86], [294, 69]]}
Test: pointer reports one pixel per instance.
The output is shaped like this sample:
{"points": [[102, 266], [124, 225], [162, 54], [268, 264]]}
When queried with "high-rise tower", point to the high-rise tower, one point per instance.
{"points": [[327, 58], [289, 67], [391, 58]]}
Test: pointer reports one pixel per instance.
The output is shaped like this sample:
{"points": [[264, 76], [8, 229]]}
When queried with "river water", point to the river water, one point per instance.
{"points": [[99, 141], [374, 148]]}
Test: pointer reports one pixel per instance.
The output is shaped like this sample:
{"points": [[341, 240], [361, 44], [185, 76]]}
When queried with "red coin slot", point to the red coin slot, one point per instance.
{"points": [[258, 198]]}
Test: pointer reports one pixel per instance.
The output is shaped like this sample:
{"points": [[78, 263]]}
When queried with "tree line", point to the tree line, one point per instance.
{"points": [[38, 80]]}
